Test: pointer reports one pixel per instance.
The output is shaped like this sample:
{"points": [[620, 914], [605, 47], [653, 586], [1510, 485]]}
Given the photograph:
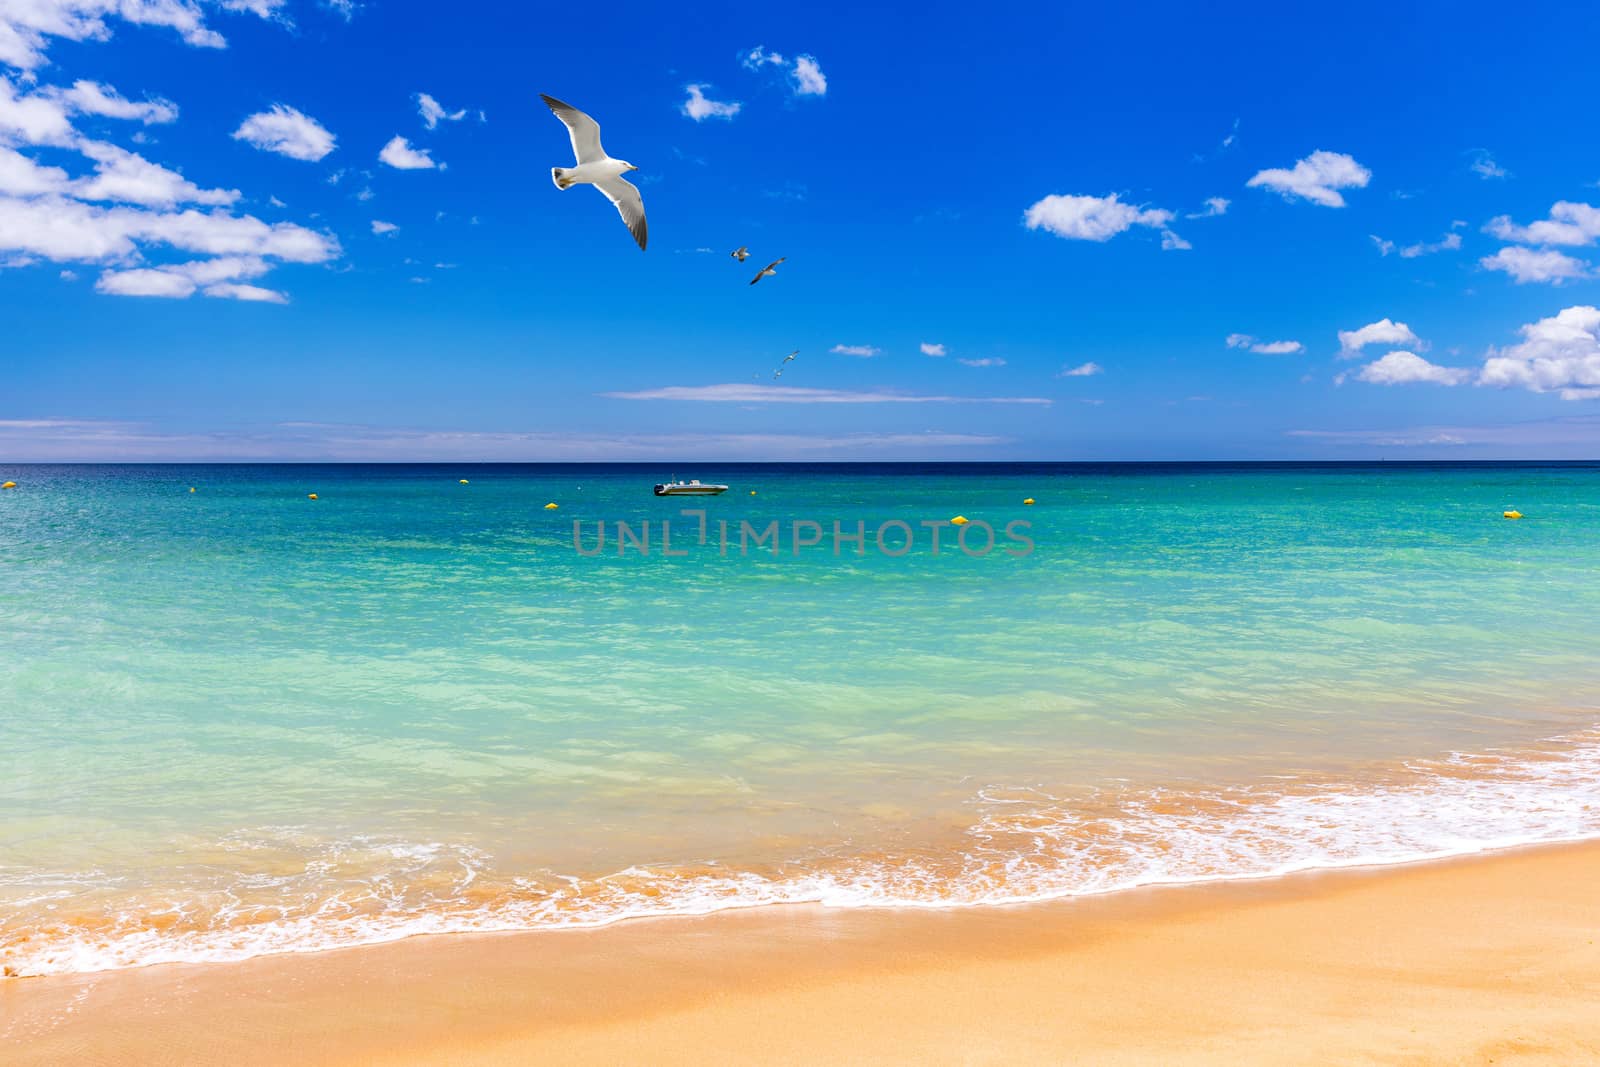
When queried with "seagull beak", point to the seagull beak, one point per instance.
{"points": [[632, 167]]}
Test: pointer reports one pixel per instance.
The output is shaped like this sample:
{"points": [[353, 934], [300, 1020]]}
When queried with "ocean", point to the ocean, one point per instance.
{"points": [[237, 720]]}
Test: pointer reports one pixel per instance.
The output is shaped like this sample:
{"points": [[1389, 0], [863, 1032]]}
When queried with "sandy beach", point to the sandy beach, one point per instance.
{"points": [[1491, 959]]}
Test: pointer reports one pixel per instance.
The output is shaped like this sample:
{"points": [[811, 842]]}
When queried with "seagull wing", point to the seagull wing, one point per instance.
{"points": [[584, 131], [630, 205]]}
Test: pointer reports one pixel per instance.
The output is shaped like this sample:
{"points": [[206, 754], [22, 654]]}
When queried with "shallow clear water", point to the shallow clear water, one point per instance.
{"points": [[238, 720]]}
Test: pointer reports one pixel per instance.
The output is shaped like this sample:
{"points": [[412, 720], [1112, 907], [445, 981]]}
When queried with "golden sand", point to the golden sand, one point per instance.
{"points": [[1488, 960]]}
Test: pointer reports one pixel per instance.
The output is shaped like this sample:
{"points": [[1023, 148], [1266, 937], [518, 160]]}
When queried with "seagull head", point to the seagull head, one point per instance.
{"points": [[626, 166]]}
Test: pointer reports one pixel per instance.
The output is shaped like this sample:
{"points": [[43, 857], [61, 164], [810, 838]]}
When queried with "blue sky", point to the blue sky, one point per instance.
{"points": [[189, 267]]}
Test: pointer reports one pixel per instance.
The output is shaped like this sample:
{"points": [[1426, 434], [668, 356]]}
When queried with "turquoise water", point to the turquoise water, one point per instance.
{"points": [[239, 720]]}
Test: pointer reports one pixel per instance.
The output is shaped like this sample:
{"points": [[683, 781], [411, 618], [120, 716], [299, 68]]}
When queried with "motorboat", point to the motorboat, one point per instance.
{"points": [[693, 487]]}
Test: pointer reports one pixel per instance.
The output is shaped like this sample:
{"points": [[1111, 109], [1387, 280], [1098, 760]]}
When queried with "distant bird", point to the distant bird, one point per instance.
{"points": [[770, 268], [790, 356], [741, 253], [779, 372], [598, 169]]}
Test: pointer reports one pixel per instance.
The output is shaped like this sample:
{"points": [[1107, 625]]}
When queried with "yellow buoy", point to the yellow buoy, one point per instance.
{"points": [[191, 489], [551, 507], [752, 492], [960, 520], [9, 485], [311, 496], [1513, 514], [464, 481], [1029, 501]]}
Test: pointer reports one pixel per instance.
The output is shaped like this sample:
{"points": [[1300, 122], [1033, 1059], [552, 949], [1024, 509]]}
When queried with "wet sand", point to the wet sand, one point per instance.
{"points": [[1485, 960]]}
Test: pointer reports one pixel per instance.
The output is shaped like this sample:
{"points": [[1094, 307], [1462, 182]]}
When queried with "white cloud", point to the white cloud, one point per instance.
{"points": [[1171, 242], [988, 361], [1486, 168], [1398, 368], [125, 176], [21, 176], [1384, 247], [219, 277], [379, 226], [1558, 353], [1091, 218], [1316, 178], [92, 98], [249, 293], [734, 393], [287, 132], [1082, 370], [399, 154], [1569, 224], [143, 282], [1382, 332], [63, 230], [1535, 265], [931, 349], [1215, 205], [433, 112], [1265, 348], [33, 118], [26, 25], [345, 9], [808, 77], [864, 351], [700, 108]]}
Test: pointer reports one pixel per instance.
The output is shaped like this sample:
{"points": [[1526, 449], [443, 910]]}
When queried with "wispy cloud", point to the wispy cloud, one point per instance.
{"points": [[1215, 205], [1265, 348], [1484, 166], [1082, 370], [804, 73], [987, 361], [433, 112], [928, 348], [859, 351], [737, 393], [89, 440]]}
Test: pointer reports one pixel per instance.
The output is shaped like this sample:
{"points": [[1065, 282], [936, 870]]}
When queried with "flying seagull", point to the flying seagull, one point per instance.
{"points": [[598, 169], [790, 356], [741, 253], [770, 268], [779, 372]]}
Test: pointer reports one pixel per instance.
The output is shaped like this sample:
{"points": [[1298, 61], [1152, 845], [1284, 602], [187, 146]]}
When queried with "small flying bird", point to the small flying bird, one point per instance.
{"points": [[741, 253], [597, 169], [770, 268], [779, 372]]}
